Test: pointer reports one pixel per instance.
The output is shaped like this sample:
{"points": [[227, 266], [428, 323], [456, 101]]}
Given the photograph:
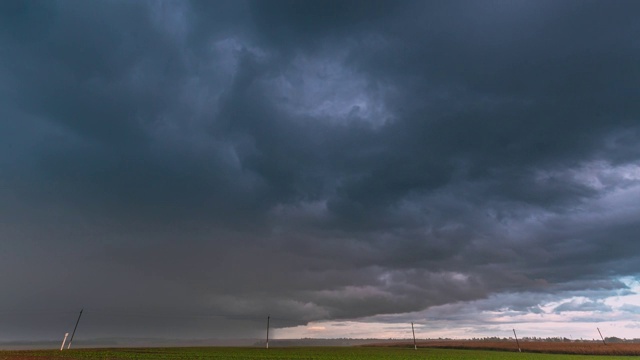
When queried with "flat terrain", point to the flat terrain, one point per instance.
{"points": [[581, 348], [304, 353]]}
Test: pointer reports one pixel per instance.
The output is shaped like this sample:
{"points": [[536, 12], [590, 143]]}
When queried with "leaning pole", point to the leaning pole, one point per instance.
{"points": [[517, 342], [64, 341], [74, 329], [601, 337]]}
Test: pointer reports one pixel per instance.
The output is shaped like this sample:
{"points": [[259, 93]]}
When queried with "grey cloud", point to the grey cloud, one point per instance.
{"points": [[630, 308], [322, 160], [582, 306]]}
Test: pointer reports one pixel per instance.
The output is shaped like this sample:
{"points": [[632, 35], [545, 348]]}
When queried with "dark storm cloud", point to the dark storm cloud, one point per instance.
{"points": [[315, 160]]}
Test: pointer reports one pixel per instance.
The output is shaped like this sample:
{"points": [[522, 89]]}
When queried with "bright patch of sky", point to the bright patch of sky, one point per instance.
{"points": [[574, 317]]}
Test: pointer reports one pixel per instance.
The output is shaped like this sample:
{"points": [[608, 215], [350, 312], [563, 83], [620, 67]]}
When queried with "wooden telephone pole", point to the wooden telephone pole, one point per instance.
{"points": [[268, 317], [74, 329], [517, 342], [415, 347]]}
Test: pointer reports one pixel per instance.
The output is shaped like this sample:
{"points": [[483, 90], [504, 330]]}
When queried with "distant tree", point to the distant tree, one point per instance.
{"points": [[613, 339]]}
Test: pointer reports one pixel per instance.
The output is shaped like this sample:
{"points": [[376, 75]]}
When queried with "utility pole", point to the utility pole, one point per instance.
{"points": [[415, 347], [74, 329], [63, 341], [601, 336], [517, 343], [268, 317]]}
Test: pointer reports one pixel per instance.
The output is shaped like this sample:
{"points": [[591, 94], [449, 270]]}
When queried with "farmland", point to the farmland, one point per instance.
{"points": [[303, 353], [577, 347]]}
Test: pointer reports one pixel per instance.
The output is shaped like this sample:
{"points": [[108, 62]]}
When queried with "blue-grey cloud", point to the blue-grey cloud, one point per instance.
{"points": [[330, 160]]}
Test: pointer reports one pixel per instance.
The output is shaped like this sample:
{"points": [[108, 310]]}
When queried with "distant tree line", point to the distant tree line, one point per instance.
{"points": [[612, 339]]}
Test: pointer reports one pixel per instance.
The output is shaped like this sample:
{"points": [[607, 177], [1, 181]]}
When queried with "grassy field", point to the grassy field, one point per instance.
{"points": [[306, 353]]}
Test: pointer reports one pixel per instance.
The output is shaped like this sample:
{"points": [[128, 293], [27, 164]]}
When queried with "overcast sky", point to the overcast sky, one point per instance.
{"points": [[184, 169]]}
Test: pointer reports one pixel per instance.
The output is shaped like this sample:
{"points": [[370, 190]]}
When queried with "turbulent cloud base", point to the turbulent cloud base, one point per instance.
{"points": [[186, 169]]}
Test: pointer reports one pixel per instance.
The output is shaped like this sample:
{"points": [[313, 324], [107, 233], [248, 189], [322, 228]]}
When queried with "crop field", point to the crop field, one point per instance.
{"points": [[576, 347], [584, 348], [303, 353]]}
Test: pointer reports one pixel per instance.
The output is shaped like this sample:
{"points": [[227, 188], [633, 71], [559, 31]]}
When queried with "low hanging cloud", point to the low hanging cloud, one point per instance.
{"points": [[313, 161]]}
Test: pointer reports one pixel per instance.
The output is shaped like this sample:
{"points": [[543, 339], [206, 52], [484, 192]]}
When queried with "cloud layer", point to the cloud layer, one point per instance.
{"points": [[312, 160]]}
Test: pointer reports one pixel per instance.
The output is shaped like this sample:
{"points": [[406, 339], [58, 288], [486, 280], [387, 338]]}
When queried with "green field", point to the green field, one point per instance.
{"points": [[306, 353]]}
